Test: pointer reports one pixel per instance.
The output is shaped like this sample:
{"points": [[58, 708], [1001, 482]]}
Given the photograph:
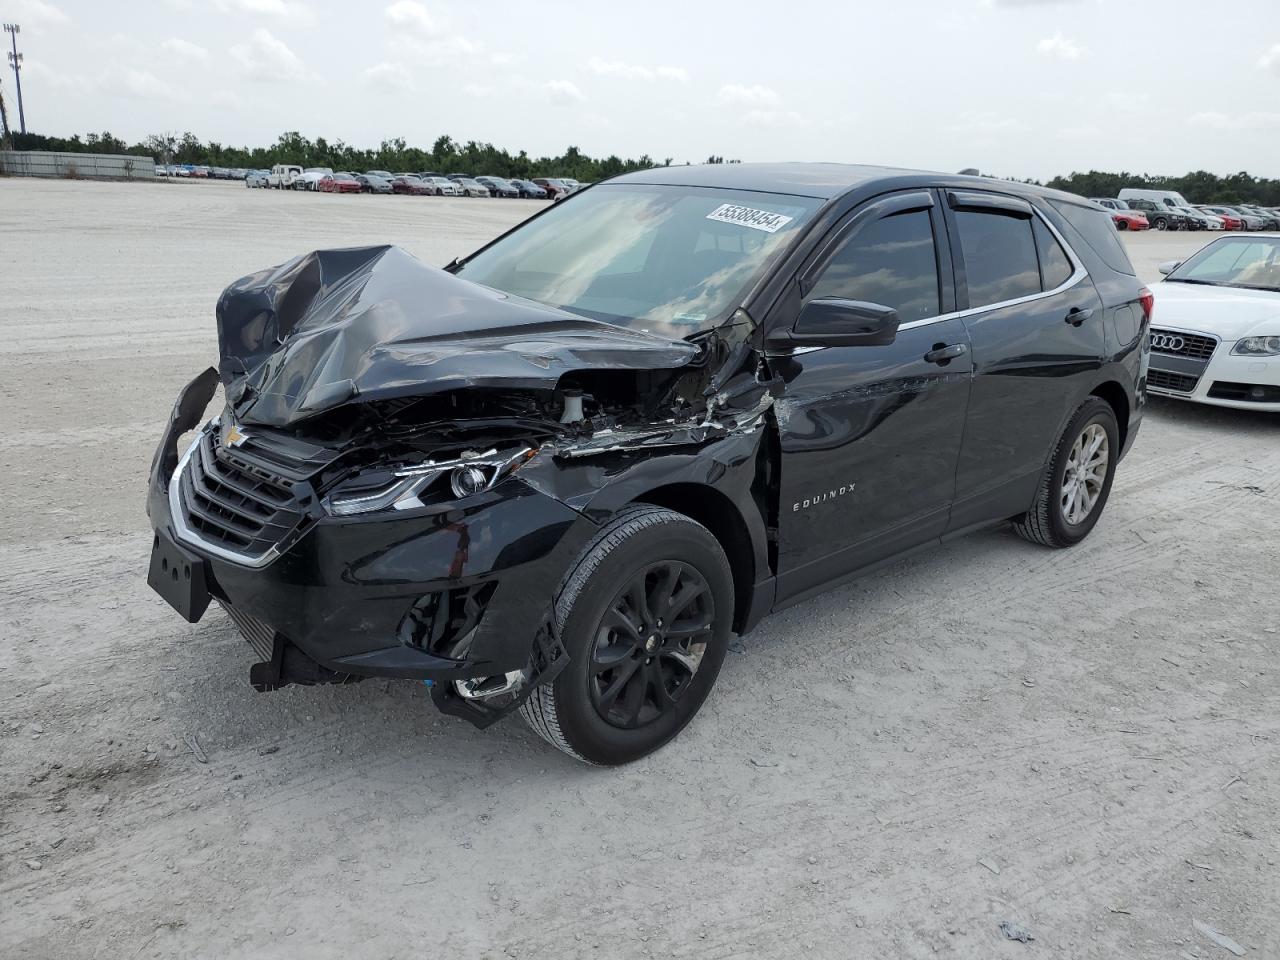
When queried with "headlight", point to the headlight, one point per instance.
{"points": [[1257, 347], [403, 488]]}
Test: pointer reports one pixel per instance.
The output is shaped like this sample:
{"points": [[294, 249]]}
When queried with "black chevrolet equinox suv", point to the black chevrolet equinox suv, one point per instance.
{"points": [[556, 476]]}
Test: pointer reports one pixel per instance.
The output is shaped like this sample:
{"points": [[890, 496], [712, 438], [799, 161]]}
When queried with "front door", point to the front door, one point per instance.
{"points": [[870, 435]]}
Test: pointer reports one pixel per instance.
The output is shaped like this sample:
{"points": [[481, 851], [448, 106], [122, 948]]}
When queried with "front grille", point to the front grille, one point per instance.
{"points": [[1176, 344], [1163, 380], [231, 503]]}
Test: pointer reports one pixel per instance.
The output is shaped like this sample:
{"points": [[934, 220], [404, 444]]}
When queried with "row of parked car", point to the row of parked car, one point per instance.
{"points": [[198, 172], [1136, 209], [426, 183]]}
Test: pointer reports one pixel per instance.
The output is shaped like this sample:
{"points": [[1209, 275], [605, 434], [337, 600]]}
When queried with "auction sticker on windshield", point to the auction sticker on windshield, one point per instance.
{"points": [[749, 217]]}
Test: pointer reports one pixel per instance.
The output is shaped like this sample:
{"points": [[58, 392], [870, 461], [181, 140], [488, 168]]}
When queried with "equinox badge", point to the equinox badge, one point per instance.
{"points": [[822, 497]]}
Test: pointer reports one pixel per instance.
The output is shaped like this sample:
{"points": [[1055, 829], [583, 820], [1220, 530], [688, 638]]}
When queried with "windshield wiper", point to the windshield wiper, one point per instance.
{"points": [[1203, 283]]}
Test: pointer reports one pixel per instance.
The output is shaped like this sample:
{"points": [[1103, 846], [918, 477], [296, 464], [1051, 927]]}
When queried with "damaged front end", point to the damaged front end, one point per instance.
{"points": [[408, 464]]}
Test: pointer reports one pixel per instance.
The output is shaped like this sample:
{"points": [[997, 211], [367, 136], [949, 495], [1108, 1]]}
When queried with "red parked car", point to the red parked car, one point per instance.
{"points": [[1130, 220], [339, 183], [1229, 220], [408, 183]]}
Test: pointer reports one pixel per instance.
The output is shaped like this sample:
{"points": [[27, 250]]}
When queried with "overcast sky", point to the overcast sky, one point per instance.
{"points": [[1014, 87]]}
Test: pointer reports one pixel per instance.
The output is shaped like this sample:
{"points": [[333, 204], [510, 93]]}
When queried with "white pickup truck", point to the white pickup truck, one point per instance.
{"points": [[283, 175]]}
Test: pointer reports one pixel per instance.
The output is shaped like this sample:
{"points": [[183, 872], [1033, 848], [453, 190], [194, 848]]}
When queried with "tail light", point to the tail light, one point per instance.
{"points": [[1148, 301]]}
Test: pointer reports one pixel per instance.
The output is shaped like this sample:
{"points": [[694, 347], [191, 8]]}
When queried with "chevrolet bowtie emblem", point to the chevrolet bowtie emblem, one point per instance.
{"points": [[233, 437]]}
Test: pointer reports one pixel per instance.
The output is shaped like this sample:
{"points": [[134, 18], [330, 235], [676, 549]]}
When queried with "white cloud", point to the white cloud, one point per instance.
{"points": [[501, 59], [1060, 47], [267, 59], [1085, 131], [389, 75], [411, 15], [55, 79], [33, 13], [184, 49], [1271, 60], [1253, 120], [563, 91], [983, 123], [633, 71], [293, 10], [773, 118], [137, 84], [478, 90], [1026, 3], [754, 96]]}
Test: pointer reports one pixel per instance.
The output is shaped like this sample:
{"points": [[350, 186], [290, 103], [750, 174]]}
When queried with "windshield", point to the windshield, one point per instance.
{"points": [[670, 260], [1252, 262]]}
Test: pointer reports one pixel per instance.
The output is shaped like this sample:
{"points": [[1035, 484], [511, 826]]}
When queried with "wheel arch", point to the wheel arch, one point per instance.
{"points": [[1114, 394], [718, 513]]}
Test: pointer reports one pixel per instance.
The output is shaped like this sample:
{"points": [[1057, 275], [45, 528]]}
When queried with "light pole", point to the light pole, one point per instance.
{"points": [[15, 59]]}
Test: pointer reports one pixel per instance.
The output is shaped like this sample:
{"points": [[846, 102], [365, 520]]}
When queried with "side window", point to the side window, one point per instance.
{"points": [[890, 261], [1097, 231], [1055, 265], [999, 256]]}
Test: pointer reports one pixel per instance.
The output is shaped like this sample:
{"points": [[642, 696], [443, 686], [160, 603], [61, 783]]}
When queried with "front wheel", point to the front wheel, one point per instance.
{"points": [[645, 616], [1077, 481]]}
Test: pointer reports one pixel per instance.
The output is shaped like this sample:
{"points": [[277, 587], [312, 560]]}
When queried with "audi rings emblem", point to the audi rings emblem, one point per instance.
{"points": [[1167, 342]]}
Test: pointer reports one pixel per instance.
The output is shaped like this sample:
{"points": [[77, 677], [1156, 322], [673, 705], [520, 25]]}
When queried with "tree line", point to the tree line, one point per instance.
{"points": [[472, 158], [446, 155], [1198, 187]]}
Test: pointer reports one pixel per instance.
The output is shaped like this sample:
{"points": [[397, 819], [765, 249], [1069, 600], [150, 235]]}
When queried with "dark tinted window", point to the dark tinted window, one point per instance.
{"points": [[999, 257], [890, 261], [1097, 230], [1055, 267]]}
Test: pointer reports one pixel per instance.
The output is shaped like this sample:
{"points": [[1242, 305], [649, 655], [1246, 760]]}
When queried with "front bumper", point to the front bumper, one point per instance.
{"points": [[365, 595], [1224, 381]]}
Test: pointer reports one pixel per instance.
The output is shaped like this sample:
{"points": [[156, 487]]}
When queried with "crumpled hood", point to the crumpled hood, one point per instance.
{"points": [[1226, 312], [374, 323]]}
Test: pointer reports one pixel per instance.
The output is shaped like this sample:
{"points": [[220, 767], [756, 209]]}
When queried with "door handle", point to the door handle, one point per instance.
{"points": [[944, 353], [1076, 316]]}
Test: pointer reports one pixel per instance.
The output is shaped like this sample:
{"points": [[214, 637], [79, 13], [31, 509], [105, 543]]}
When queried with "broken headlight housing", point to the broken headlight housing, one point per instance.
{"points": [[412, 485]]}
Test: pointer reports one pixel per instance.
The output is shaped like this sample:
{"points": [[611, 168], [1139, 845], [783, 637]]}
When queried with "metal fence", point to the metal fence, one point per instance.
{"points": [[44, 163]]}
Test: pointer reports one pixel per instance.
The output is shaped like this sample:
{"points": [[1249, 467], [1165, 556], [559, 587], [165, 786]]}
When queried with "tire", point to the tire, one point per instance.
{"points": [[1049, 521], [1160, 223], [640, 548], [1122, 225]]}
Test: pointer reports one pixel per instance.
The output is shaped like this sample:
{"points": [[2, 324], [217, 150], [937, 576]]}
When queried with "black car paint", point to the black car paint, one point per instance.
{"points": [[892, 450]]}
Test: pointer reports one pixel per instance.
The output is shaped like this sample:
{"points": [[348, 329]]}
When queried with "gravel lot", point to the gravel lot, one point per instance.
{"points": [[1081, 742]]}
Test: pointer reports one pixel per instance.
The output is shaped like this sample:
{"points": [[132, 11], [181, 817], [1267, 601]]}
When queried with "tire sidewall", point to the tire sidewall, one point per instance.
{"points": [[1099, 412], [583, 728]]}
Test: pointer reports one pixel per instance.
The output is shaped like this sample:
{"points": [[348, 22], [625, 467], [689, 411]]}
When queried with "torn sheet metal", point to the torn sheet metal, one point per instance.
{"points": [[375, 323]]}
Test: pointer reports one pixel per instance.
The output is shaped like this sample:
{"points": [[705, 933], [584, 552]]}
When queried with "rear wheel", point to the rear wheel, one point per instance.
{"points": [[1077, 480], [1160, 223], [645, 616]]}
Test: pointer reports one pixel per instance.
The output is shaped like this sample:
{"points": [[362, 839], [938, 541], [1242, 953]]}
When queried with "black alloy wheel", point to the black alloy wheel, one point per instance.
{"points": [[645, 614], [650, 644]]}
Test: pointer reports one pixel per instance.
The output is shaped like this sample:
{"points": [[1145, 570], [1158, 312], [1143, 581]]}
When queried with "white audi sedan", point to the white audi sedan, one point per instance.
{"points": [[1215, 335]]}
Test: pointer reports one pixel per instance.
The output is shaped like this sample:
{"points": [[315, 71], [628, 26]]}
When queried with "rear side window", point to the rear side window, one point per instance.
{"points": [[1055, 265], [1098, 232], [999, 257], [891, 261]]}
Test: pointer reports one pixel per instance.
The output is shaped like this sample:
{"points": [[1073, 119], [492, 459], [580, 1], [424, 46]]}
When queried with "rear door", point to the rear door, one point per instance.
{"points": [[870, 435], [1036, 327]]}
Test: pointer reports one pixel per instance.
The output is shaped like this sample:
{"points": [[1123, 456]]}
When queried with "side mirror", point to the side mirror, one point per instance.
{"points": [[844, 323], [1169, 266]]}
